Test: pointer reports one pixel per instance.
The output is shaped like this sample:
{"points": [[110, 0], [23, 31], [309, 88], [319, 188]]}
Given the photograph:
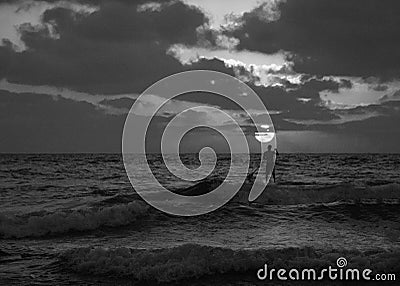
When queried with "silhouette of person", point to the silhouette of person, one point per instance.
{"points": [[270, 157]]}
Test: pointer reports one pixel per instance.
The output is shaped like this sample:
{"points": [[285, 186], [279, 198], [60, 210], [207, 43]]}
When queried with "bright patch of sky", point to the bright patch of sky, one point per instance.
{"points": [[216, 10], [190, 54], [362, 93]]}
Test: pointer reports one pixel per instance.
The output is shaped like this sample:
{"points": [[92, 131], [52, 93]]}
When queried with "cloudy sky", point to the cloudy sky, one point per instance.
{"points": [[328, 71]]}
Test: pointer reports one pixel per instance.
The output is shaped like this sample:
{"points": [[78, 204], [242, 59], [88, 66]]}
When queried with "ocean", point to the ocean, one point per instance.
{"points": [[74, 219]]}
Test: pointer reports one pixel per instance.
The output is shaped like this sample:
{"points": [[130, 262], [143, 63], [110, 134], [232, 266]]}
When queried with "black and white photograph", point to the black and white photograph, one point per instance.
{"points": [[199, 142]]}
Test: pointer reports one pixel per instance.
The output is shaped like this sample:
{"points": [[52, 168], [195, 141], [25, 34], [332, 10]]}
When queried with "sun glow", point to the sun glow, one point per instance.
{"points": [[264, 137]]}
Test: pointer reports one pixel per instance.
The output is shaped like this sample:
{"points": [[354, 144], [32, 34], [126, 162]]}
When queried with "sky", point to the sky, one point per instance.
{"points": [[327, 71]]}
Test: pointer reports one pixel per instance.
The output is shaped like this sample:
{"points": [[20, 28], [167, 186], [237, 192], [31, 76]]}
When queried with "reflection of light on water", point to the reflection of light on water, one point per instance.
{"points": [[264, 137]]}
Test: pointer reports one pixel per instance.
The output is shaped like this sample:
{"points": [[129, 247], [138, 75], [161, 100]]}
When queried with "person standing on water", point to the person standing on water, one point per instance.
{"points": [[270, 156]]}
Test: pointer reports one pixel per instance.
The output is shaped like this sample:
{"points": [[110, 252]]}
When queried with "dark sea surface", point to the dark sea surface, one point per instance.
{"points": [[75, 220]]}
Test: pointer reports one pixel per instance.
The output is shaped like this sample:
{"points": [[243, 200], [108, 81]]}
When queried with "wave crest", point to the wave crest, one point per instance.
{"points": [[37, 225], [194, 261]]}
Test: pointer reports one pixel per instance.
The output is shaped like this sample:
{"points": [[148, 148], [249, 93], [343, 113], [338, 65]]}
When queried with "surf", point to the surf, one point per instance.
{"points": [[64, 221]]}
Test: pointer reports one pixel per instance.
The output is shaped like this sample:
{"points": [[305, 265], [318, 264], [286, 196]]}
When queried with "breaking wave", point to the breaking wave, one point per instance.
{"points": [[192, 261], [41, 224], [121, 210]]}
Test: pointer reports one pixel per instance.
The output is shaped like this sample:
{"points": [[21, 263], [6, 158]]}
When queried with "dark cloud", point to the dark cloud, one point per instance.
{"points": [[317, 85], [379, 133], [91, 2], [42, 123], [380, 87], [39, 123], [385, 124], [345, 83], [113, 50], [384, 119], [324, 37], [116, 21], [390, 97], [301, 101]]}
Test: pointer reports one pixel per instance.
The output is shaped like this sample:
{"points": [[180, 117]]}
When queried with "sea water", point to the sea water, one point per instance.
{"points": [[74, 219]]}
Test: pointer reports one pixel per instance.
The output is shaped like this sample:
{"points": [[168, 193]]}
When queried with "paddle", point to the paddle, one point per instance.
{"points": [[249, 176]]}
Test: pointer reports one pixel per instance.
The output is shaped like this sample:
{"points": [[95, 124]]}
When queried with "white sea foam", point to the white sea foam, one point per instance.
{"points": [[41, 224]]}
